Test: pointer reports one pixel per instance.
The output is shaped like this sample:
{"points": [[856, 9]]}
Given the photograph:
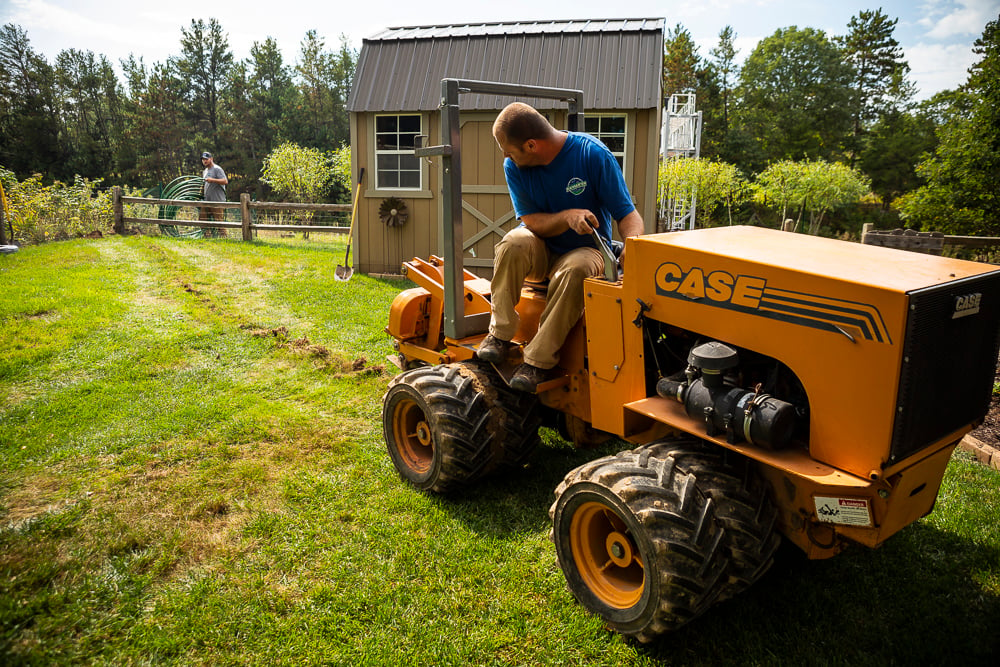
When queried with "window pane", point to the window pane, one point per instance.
{"points": [[591, 125], [407, 141], [409, 179], [388, 179], [409, 162], [385, 142], [409, 124], [386, 123], [615, 144], [615, 124]]}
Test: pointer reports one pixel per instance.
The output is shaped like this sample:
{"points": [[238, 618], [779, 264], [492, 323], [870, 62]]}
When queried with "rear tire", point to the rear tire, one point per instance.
{"points": [[516, 415], [436, 424], [639, 541]]}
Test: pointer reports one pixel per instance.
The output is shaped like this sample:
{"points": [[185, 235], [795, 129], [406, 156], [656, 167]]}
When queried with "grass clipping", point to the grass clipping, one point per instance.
{"points": [[321, 356]]}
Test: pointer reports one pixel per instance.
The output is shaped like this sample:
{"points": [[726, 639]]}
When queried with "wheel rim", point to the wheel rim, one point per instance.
{"points": [[413, 435], [606, 555]]}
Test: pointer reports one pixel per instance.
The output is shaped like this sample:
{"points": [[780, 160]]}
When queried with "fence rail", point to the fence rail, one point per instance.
{"points": [[931, 243], [245, 206]]}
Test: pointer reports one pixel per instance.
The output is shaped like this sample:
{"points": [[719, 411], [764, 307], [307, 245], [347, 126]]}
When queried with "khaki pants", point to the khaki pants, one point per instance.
{"points": [[521, 254]]}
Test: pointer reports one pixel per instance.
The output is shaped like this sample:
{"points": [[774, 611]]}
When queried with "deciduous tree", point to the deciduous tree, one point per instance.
{"points": [[961, 193], [816, 186], [795, 93]]}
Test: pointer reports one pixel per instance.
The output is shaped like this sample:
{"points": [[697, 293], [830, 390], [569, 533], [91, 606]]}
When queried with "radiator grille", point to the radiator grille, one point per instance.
{"points": [[949, 361]]}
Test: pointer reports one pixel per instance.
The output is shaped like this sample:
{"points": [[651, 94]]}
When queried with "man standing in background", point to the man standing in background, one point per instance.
{"points": [[215, 190]]}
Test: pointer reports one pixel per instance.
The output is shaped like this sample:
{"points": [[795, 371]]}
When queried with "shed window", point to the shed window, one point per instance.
{"points": [[395, 165], [610, 130]]}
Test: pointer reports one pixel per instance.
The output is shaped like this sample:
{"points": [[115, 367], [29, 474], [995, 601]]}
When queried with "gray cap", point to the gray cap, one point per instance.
{"points": [[205, 155]]}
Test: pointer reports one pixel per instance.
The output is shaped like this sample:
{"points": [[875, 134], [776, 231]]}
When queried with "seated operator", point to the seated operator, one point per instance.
{"points": [[564, 186]]}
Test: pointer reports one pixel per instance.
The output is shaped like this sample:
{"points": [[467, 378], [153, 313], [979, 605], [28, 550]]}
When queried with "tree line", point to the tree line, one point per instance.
{"points": [[800, 96], [807, 97], [75, 117]]}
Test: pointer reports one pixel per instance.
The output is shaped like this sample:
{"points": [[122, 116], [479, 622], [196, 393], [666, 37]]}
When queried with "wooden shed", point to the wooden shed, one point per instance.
{"points": [[397, 94]]}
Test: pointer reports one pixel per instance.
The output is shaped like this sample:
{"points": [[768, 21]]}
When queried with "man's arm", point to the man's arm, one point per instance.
{"points": [[631, 225], [545, 225]]}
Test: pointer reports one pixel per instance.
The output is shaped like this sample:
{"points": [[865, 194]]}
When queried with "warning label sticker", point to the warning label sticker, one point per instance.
{"points": [[846, 511]]}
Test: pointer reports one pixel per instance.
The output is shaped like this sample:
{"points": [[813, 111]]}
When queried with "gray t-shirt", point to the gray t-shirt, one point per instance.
{"points": [[214, 191]]}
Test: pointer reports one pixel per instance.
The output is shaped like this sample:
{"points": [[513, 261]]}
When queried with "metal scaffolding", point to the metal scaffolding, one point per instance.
{"points": [[681, 139]]}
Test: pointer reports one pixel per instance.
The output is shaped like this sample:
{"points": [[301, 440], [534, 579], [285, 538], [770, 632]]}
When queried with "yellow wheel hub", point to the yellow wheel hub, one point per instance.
{"points": [[413, 436], [606, 555]]}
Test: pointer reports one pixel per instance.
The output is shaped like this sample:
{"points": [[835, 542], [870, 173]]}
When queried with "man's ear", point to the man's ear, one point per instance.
{"points": [[530, 146]]}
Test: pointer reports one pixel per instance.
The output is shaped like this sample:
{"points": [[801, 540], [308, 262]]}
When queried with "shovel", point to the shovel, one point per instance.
{"points": [[345, 272]]}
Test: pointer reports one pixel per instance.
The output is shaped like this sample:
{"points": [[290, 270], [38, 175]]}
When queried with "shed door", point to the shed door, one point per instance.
{"points": [[487, 211]]}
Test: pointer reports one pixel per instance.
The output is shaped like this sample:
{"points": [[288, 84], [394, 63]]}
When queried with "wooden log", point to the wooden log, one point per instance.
{"points": [[904, 239], [301, 228], [180, 202], [292, 206], [185, 223], [972, 241]]}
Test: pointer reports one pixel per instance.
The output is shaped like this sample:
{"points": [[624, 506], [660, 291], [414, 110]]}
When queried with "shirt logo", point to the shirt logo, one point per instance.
{"points": [[576, 186]]}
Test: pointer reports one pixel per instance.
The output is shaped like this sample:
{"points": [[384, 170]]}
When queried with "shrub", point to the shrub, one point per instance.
{"points": [[39, 213]]}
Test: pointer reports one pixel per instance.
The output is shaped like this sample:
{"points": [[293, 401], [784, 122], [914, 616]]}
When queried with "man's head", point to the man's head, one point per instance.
{"points": [[525, 136], [206, 159]]}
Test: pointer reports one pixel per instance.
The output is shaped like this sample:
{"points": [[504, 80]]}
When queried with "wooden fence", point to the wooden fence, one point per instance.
{"points": [[931, 243], [245, 206]]}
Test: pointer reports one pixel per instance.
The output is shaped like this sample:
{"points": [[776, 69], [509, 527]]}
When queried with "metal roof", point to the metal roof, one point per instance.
{"points": [[616, 62]]}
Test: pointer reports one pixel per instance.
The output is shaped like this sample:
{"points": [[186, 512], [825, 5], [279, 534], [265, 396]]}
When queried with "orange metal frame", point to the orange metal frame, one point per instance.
{"points": [[714, 282]]}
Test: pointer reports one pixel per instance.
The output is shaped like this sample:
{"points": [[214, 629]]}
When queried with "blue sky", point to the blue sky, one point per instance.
{"points": [[936, 35]]}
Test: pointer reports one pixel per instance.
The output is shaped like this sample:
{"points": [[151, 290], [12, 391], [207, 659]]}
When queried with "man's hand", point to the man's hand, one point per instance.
{"points": [[581, 221]]}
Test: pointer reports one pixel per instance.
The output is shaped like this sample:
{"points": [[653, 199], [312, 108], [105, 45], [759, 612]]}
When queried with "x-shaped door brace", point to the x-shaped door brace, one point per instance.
{"points": [[491, 226]]}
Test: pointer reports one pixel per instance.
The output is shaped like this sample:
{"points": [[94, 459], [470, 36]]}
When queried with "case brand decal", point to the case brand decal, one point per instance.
{"points": [[752, 295]]}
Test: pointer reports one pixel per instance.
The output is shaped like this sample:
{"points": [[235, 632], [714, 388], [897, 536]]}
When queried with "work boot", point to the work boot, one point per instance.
{"points": [[527, 377], [493, 350]]}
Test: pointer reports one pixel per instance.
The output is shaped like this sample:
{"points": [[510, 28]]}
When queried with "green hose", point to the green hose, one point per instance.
{"points": [[186, 188]]}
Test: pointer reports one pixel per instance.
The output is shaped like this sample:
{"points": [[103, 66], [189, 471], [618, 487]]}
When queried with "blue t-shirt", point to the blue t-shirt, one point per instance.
{"points": [[583, 175]]}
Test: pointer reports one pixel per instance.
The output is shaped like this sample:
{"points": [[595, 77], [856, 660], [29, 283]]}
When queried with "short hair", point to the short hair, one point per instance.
{"points": [[521, 122]]}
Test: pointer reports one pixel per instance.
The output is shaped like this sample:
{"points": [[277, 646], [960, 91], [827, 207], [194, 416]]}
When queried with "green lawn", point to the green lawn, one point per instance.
{"points": [[193, 472]]}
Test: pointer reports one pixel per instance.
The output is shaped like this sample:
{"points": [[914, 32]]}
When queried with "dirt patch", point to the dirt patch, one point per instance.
{"points": [[321, 356]]}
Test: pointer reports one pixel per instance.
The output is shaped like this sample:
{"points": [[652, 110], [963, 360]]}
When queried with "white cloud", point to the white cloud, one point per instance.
{"points": [[969, 17], [936, 67]]}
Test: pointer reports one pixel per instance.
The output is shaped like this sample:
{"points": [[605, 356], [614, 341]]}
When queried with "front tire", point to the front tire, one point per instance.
{"points": [[436, 426], [743, 507], [639, 542]]}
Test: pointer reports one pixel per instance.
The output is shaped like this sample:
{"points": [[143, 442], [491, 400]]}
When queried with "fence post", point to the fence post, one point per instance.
{"points": [[245, 216], [116, 198], [865, 230]]}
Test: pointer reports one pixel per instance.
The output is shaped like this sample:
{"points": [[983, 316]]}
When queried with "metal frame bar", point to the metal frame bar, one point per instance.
{"points": [[456, 325]]}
